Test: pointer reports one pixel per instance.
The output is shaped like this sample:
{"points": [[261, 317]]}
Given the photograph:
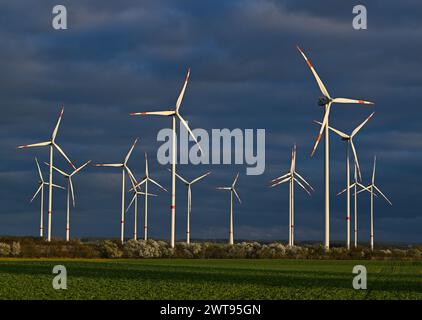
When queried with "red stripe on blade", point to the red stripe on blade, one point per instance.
{"points": [[308, 62]]}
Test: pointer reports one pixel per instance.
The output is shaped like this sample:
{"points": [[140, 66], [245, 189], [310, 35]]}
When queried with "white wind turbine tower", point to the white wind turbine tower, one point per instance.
{"points": [[125, 169], [371, 188], [145, 181], [292, 176], [41, 184], [355, 186], [326, 101], [70, 191], [350, 145], [232, 190], [174, 113], [189, 186], [52, 144], [136, 193]]}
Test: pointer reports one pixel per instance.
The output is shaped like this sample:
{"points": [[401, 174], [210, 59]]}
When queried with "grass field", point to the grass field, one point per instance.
{"points": [[209, 279]]}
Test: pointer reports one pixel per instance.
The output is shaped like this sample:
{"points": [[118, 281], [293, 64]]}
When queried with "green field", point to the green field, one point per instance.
{"points": [[209, 279]]}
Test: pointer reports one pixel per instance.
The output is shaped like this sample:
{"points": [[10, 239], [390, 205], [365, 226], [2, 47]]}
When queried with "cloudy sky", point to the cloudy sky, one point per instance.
{"points": [[122, 56]]}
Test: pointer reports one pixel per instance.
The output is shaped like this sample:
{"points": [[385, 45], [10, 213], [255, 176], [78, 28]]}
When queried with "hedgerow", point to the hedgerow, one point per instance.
{"points": [[37, 248]]}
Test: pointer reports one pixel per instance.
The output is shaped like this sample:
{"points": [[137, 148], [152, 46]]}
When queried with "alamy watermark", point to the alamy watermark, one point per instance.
{"points": [[359, 281], [223, 146], [360, 21], [60, 17], [60, 281]]}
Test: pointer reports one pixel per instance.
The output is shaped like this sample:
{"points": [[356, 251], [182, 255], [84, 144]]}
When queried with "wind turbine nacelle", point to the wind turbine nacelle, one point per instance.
{"points": [[322, 101]]}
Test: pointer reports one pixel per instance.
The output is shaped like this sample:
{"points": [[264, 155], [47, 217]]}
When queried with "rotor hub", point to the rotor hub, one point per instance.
{"points": [[322, 101]]}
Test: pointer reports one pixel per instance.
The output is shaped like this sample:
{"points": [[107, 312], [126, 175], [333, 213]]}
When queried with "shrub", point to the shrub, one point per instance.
{"points": [[109, 249], [273, 251], [414, 253], [248, 250], [214, 250], [4, 249], [146, 249], [398, 253], [15, 249]]}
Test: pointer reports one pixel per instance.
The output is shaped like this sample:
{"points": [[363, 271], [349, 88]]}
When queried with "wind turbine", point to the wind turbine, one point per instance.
{"points": [[189, 186], [232, 190], [350, 145], [145, 181], [371, 188], [355, 185], [174, 113], [41, 184], [68, 177], [326, 101], [136, 193], [52, 144], [292, 176], [125, 169]]}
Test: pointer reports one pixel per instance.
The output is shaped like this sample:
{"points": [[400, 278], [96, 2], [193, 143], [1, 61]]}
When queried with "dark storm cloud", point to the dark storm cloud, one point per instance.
{"points": [[119, 57]]}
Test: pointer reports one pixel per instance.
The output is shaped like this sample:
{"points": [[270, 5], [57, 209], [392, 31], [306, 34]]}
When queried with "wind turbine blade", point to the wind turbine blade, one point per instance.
{"points": [[281, 177], [157, 184], [304, 181], [53, 137], [35, 194], [189, 130], [300, 184], [39, 170], [367, 188], [360, 185], [201, 177], [321, 130], [347, 100], [130, 204], [153, 113], [383, 195], [80, 168], [356, 130], [356, 159], [64, 155], [224, 188], [280, 182], [138, 184], [340, 133], [39, 144], [344, 190], [146, 165], [133, 184], [293, 161], [235, 180], [71, 191], [148, 194], [57, 169], [130, 151], [319, 81], [373, 170], [130, 174], [182, 93], [114, 165], [56, 186], [237, 196], [180, 177]]}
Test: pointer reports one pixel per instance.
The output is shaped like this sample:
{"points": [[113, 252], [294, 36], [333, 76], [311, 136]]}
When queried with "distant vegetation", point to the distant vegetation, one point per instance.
{"points": [[28, 247]]}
